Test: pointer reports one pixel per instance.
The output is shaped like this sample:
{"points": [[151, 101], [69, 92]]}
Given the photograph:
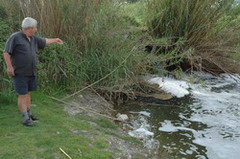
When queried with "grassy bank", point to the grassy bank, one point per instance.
{"points": [[56, 130]]}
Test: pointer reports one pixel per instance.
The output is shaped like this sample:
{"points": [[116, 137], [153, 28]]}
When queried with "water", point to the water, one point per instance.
{"points": [[201, 121]]}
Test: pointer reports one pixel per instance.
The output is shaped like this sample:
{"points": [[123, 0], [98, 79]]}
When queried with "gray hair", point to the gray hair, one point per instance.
{"points": [[28, 22]]}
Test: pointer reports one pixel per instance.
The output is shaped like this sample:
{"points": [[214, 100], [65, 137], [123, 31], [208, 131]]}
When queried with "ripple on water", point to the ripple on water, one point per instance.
{"points": [[217, 104], [205, 125]]}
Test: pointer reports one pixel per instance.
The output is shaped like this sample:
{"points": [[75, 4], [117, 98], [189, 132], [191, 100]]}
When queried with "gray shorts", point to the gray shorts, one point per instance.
{"points": [[24, 84]]}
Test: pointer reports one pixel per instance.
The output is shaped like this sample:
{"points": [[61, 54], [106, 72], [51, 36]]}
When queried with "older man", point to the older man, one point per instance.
{"points": [[20, 56]]}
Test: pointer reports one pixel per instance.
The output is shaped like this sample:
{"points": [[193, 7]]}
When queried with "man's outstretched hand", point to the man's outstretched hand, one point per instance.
{"points": [[54, 40], [59, 41]]}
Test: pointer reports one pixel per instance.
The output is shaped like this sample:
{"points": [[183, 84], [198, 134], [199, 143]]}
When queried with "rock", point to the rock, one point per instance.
{"points": [[122, 117], [161, 96], [118, 114]]}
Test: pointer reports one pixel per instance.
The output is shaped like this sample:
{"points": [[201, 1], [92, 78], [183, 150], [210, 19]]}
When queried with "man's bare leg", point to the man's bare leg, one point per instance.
{"points": [[28, 104], [28, 101], [31, 116], [23, 103]]}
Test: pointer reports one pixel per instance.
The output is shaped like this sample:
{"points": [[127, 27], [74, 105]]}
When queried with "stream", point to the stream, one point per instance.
{"points": [[201, 121]]}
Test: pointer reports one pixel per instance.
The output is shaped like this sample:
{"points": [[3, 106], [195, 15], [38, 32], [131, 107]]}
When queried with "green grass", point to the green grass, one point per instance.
{"points": [[51, 133]]}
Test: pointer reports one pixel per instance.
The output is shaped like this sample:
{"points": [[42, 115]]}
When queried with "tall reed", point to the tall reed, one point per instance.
{"points": [[96, 42], [200, 24]]}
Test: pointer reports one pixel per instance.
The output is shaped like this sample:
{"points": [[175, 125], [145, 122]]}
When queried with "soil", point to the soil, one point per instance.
{"points": [[121, 148]]}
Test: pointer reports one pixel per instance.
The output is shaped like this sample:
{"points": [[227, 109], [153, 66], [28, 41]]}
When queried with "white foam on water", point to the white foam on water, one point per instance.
{"points": [[141, 130], [217, 106], [144, 113], [217, 147], [232, 78], [167, 126], [220, 111], [147, 114], [175, 87]]}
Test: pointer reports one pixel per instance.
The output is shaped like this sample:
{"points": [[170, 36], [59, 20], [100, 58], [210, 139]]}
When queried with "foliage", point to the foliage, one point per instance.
{"points": [[203, 25], [97, 43], [135, 12], [6, 93]]}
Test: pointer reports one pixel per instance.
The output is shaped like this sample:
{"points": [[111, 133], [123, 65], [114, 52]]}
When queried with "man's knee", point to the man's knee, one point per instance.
{"points": [[23, 96], [27, 94]]}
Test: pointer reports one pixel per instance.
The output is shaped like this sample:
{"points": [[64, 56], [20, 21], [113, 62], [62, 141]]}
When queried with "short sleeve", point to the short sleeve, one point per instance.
{"points": [[41, 42], [10, 44]]}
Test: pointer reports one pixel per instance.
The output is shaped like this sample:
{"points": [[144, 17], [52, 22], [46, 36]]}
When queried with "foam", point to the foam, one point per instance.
{"points": [[217, 105], [176, 88]]}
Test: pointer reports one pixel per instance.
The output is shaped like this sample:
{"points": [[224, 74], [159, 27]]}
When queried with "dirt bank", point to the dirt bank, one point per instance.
{"points": [[119, 142]]}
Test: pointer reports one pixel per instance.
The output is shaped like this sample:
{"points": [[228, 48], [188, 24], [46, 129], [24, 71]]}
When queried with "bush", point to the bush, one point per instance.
{"points": [[6, 87], [97, 43], [200, 24]]}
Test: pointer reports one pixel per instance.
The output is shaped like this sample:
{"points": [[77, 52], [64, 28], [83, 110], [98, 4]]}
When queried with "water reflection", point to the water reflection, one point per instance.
{"points": [[204, 124]]}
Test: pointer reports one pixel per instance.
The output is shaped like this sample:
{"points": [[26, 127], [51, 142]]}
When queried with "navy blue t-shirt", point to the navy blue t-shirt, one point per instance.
{"points": [[24, 53]]}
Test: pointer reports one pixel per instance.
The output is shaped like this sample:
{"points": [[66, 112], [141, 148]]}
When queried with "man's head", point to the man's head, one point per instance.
{"points": [[29, 25]]}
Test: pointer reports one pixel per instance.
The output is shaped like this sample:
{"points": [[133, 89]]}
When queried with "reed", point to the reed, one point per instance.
{"points": [[96, 43], [204, 26]]}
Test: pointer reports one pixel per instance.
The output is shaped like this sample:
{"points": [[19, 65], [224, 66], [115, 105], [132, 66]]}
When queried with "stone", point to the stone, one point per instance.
{"points": [[122, 117]]}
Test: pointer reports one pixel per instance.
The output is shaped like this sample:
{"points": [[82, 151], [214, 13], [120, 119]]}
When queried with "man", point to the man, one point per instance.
{"points": [[20, 56]]}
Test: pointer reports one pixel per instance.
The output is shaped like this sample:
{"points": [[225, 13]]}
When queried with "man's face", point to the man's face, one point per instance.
{"points": [[32, 30]]}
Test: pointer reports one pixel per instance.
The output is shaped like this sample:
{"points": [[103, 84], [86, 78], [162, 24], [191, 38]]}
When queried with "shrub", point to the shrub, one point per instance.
{"points": [[201, 26], [97, 44]]}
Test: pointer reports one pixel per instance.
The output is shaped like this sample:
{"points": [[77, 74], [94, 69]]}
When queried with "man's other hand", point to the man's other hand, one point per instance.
{"points": [[10, 71]]}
